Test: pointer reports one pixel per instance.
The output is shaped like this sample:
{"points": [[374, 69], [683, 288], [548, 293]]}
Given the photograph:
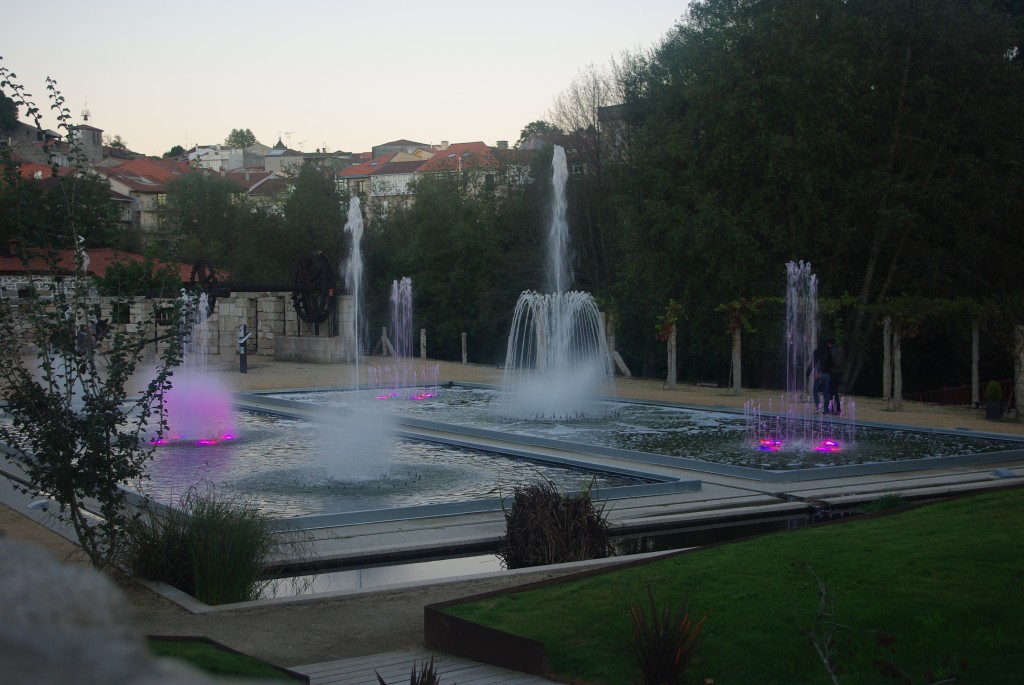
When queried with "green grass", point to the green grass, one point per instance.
{"points": [[929, 590], [207, 657]]}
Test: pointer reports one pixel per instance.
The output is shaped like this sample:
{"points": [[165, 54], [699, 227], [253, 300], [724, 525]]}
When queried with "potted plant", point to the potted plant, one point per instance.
{"points": [[994, 401]]}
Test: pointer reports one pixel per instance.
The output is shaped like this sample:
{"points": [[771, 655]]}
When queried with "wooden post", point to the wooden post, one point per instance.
{"points": [[670, 382], [465, 355], [423, 343]]}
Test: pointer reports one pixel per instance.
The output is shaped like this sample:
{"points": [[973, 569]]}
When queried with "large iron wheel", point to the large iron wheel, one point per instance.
{"points": [[204, 278], [313, 296]]}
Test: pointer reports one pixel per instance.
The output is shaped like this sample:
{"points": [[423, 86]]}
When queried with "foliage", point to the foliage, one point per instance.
{"points": [[427, 675], [75, 431], [664, 640], [127, 278], [240, 137], [176, 151], [8, 113], [668, 321], [934, 578], [536, 128], [858, 136], [994, 392], [313, 217], [889, 501], [214, 549], [544, 526], [208, 657], [115, 142]]}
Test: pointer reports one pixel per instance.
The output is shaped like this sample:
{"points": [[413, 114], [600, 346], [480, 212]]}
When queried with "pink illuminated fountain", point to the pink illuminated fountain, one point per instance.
{"points": [[199, 407], [792, 424]]}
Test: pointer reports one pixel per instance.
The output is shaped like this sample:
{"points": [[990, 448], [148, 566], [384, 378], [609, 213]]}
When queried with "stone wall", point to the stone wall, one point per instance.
{"points": [[276, 330]]}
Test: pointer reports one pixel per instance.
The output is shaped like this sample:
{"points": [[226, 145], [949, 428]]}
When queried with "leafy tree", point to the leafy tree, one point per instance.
{"points": [[176, 151], [133, 278], [536, 128], [8, 113], [313, 217], [115, 142], [875, 139], [240, 137], [74, 431]]}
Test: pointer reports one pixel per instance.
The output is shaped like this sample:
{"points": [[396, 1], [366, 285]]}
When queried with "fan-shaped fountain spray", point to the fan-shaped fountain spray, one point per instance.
{"points": [[557, 364]]}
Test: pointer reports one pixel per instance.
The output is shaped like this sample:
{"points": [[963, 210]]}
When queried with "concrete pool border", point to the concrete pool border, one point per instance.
{"points": [[648, 459]]}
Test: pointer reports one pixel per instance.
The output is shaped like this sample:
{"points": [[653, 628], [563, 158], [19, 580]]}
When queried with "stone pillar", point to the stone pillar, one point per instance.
{"points": [[735, 388], [423, 343], [670, 382], [465, 355]]}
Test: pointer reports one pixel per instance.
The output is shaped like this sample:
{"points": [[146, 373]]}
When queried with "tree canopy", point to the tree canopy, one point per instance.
{"points": [[240, 137]]}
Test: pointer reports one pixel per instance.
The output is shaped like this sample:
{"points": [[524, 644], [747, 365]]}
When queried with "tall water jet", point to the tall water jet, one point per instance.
{"points": [[559, 273], [353, 275], [199, 406], [557, 364], [401, 317], [403, 379], [801, 328]]}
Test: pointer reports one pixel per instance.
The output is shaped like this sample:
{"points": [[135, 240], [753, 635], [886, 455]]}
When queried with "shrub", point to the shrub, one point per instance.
{"points": [[427, 675], [994, 392], [543, 526], [212, 548], [664, 640]]}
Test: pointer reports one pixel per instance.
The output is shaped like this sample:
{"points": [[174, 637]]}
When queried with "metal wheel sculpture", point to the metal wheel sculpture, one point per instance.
{"points": [[313, 295], [204, 277]]}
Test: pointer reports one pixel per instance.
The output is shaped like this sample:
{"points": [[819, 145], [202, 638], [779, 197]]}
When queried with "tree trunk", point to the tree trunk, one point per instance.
{"points": [[670, 382], [887, 360], [735, 388], [897, 369], [975, 375], [1018, 375]]}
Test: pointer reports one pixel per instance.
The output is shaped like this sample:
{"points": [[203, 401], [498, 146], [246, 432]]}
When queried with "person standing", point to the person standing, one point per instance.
{"points": [[837, 363], [820, 379]]}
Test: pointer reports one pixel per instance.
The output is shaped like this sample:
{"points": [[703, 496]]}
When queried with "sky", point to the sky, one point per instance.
{"points": [[335, 75]]}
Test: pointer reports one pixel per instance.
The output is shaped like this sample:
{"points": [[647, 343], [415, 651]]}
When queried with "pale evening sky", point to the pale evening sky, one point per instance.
{"points": [[340, 75]]}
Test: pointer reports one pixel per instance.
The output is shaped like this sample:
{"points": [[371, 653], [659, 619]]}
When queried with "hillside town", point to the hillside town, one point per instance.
{"points": [[264, 174]]}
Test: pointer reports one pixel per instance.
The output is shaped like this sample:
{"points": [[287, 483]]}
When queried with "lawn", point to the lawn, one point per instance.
{"points": [[210, 658], [930, 592]]}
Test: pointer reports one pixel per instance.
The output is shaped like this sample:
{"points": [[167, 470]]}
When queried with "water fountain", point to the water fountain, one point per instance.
{"points": [[801, 328], [792, 425], [402, 378], [353, 275], [198, 404], [557, 363]]}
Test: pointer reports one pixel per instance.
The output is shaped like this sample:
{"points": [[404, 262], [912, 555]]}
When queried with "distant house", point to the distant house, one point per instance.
{"points": [[380, 183], [145, 181]]}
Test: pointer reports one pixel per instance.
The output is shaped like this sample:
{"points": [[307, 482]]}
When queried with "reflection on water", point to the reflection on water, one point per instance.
{"points": [[278, 464], [717, 437]]}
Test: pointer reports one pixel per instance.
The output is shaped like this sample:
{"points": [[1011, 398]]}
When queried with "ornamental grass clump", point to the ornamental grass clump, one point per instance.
{"points": [[213, 548], [664, 640], [426, 675], [544, 526]]}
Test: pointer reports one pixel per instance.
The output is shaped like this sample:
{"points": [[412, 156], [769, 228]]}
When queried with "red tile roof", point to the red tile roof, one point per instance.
{"points": [[459, 156], [99, 260]]}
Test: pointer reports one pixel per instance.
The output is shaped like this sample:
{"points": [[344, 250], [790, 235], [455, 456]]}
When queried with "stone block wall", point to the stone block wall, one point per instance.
{"points": [[270, 318]]}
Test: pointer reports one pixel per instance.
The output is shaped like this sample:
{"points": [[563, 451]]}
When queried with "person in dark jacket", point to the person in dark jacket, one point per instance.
{"points": [[820, 378], [836, 365]]}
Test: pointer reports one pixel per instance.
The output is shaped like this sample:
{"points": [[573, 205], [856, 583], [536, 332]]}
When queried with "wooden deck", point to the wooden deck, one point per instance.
{"points": [[395, 668]]}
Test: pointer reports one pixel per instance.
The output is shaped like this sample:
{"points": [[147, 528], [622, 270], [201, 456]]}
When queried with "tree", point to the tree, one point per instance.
{"points": [[74, 432], [8, 113], [877, 140], [176, 151], [115, 143], [313, 217], [240, 137], [536, 128]]}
